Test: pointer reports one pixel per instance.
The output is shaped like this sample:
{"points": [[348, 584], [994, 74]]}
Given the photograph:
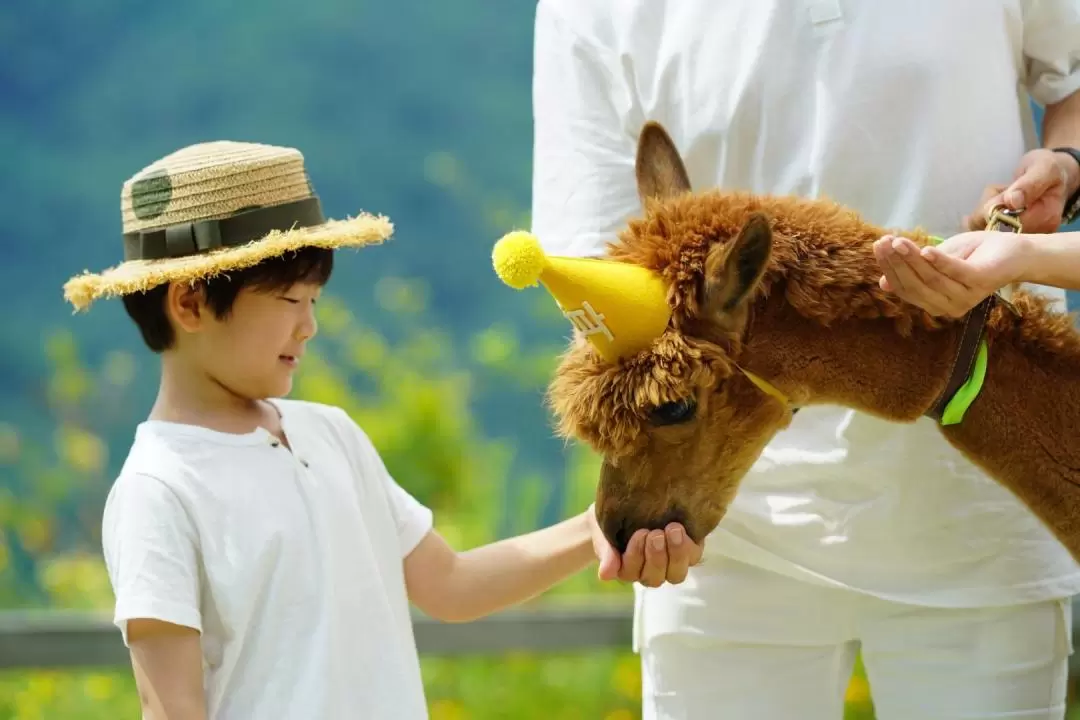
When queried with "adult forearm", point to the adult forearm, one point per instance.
{"points": [[1061, 128], [1053, 260], [506, 573]]}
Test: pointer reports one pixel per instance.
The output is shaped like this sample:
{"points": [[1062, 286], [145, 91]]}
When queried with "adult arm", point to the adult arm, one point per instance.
{"points": [[1044, 180], [1061, 128], [585, 125], [1052, 54]]}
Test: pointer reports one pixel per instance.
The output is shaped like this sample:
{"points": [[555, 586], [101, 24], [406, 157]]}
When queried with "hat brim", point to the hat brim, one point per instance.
{"points": [[141, 275]]}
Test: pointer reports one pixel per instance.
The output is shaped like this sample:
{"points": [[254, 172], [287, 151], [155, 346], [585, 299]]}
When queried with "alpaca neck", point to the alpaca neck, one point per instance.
{"points": [[1021, 430], [862, 364]]}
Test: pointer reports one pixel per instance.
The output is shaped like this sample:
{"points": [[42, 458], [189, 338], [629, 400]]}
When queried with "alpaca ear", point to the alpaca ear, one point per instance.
{"points": [[733, 270], [659, 169]]}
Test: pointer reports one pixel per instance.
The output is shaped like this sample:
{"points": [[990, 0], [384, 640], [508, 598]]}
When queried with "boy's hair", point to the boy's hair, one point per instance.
{"points": [[147, 309]]}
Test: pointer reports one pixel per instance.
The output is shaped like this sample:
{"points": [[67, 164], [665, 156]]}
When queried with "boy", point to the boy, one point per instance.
{"points": [[262, 558]]}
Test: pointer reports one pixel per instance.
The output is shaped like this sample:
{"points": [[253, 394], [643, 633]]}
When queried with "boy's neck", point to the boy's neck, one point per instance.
{"points": [[188, 395]]}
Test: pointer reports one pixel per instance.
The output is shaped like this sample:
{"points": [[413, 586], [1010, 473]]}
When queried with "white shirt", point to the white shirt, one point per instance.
{"points": [[903, 110], [289, 563]]}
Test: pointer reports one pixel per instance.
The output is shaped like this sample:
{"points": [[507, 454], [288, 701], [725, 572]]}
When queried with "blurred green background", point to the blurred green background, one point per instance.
{"points": [[418, 111]]}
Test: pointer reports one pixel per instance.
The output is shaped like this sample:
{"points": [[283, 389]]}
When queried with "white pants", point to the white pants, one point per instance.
{"points": [[766, 647]]}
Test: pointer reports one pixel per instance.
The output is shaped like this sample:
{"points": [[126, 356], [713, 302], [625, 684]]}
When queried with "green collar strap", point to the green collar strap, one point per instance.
{"points": [[962, 399], [965, 396]]}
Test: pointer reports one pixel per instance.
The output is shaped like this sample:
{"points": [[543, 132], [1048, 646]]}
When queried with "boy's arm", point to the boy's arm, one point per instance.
{"points": [[151, 551], [167, 663], [459, 587]]}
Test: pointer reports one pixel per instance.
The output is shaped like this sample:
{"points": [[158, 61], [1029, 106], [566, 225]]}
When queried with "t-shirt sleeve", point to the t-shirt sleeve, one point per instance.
{"points": [[151, 552], [1052, 50], [585, 127], [412, 518]]}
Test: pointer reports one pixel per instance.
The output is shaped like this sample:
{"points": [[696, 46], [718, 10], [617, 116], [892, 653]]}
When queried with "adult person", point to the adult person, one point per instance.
{"points": [[849, 532], [955, 276]]}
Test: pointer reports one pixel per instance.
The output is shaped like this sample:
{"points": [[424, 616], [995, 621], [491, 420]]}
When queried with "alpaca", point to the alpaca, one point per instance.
{"points": [[774, 305]]}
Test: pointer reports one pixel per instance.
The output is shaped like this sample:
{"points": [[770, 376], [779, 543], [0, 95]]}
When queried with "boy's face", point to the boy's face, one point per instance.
{"points": [[255, 349]]}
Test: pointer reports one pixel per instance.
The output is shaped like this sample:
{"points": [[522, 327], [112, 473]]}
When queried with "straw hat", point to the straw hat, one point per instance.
{"points": [[214, 207]]}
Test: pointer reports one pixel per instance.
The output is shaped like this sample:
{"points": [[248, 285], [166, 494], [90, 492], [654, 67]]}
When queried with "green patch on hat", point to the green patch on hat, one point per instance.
{"points": [[151, 195]]}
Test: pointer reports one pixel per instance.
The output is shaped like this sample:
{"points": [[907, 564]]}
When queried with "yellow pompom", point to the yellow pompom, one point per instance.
{"points": [[519, 259]]}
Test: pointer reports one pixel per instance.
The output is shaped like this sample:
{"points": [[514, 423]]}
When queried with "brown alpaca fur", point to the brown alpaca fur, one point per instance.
{"points": [[787, 288]]}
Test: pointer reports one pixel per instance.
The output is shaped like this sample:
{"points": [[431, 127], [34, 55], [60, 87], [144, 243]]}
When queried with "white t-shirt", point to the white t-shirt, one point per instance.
{"points": [[289, 563], [901, 109]]}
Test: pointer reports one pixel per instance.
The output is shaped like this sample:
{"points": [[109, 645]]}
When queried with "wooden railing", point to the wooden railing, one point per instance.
{"points": [[58, 639]]}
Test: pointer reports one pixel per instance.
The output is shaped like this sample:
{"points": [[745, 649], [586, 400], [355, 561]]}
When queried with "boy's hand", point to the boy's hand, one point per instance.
{"points": [[652, 556]]}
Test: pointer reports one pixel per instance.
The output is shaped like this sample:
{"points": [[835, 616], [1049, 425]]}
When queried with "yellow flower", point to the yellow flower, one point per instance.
{"points": [[399, 295], [494, 346], [519, 661], [333, 316], [9, 443], [442, 169], [627, 678], [81, 450], [368, 350], [42, 685], [27, 706], [99, 687], [77, 580], [60, 347], [69, 385], [34, 532], [858, 691], [448, 709], [119, 368]]}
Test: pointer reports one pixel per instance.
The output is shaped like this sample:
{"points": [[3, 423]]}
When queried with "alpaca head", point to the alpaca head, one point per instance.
{"points": [[678, 424]]}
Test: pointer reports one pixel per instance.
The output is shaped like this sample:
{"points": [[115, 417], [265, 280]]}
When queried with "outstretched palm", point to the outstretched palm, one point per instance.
{"points": [[953, 277]]}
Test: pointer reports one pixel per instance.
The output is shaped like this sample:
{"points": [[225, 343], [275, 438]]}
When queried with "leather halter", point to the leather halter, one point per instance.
{"points": [[971, 334]]}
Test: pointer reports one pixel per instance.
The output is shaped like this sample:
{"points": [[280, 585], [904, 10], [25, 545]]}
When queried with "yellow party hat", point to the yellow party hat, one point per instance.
{"points": [[619, 307]]}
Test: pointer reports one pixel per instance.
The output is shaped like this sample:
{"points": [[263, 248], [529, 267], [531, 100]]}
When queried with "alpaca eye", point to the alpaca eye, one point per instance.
{"points": [[673, 413]]}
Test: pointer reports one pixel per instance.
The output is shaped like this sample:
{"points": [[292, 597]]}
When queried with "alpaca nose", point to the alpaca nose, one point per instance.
{"points": [[619, 528], [622, 513], [618, 534]]}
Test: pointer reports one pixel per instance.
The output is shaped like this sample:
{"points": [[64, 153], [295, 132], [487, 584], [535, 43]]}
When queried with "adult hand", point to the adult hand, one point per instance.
{"points": [[651, 558], [1039, 188], [953, 277]]}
